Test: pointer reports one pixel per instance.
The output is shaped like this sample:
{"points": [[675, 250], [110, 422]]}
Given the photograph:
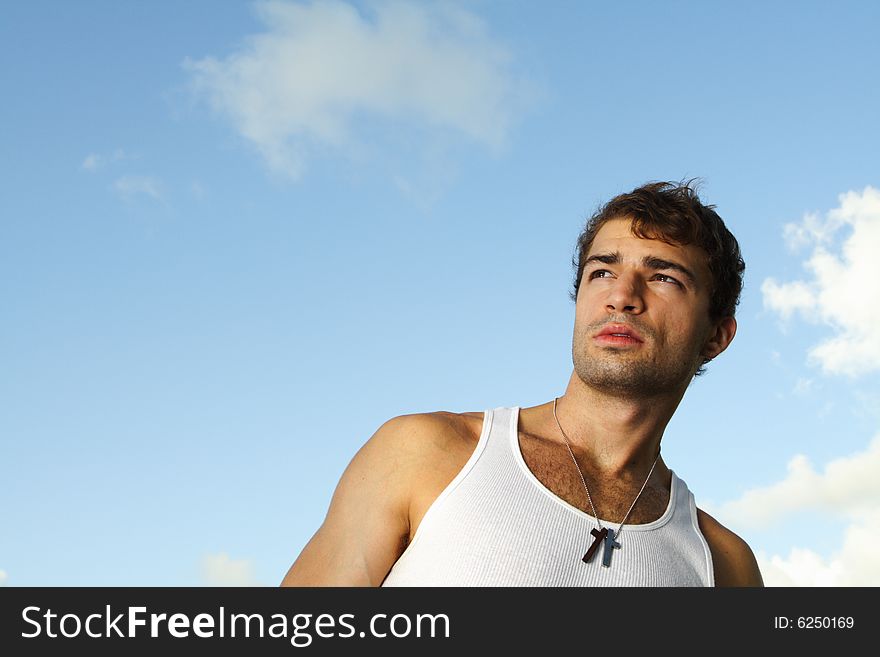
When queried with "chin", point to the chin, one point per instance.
{"points": [[632, 378]]}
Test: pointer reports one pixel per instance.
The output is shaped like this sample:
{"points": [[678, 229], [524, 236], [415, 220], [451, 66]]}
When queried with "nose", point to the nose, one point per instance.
{"points": [[625, 295]]}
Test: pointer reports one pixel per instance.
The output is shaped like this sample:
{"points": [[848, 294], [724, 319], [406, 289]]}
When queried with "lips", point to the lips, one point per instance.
{"points": [[619, 332]]}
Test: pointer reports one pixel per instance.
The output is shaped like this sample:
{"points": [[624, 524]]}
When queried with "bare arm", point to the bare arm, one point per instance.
{"points": [[367, 524], [733, 560]]}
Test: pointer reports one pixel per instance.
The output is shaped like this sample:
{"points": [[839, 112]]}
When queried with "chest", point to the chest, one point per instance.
{"points": [[554, 468]]}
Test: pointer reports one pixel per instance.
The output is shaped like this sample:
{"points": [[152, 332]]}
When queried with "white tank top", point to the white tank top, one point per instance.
{"points": [[496, 524]]}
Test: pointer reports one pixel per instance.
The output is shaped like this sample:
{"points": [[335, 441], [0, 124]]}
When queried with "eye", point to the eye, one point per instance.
{"points": [[596, 273], [667, 279]]}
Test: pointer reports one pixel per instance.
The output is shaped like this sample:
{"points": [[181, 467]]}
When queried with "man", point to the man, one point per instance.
{"points": [[572, 492]]}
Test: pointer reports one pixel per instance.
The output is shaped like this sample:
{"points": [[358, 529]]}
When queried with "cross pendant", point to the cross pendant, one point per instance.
{"points": [[600, 535], [610, 546]]}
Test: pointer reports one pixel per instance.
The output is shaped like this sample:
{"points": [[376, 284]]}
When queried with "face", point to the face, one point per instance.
{"points": [[642, 324]]}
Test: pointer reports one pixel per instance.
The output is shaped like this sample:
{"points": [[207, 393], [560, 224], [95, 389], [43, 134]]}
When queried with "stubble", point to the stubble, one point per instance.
{"points": [[650, 370]]}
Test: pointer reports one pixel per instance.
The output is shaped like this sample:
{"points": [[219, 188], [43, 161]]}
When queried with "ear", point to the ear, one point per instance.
{"points": [[720, 338]]}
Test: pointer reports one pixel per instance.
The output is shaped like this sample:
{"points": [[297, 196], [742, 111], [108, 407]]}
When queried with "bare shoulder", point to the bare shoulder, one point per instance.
{"points": [[405, 445], [425, 434], [423, 452], [732, 558], [378, 500], [439, 443]]}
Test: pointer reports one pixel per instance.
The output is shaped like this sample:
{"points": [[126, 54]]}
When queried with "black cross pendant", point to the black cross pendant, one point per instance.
{"points": [[600, 536], [610, 546]]}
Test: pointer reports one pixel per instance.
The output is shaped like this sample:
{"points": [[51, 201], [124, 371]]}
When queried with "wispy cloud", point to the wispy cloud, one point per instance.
{"points": [[848, 487], [844, 290], [94, 161], [198, 190], [854, 564], [221, 570], [3, 577], [130, 186], [804, 386], [303, 83]]}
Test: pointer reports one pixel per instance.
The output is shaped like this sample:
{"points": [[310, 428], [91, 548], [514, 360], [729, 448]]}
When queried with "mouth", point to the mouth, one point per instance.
{"points": [[618, 334]]}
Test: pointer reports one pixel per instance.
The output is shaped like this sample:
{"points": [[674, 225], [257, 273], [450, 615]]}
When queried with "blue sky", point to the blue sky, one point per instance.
{"points": [[235, 238]]}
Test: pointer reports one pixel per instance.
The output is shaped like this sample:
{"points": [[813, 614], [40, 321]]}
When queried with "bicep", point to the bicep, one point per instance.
{"points": [[367, 524]]}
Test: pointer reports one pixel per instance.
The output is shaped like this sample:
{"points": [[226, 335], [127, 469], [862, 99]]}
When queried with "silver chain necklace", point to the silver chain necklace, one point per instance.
{"points": [[602, 534]]}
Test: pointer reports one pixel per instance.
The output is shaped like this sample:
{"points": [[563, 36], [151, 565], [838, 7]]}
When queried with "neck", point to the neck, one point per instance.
{"points": [[621, 436]]}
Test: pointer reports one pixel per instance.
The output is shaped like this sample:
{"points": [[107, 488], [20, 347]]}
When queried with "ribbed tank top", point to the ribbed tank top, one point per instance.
{"points": [[496, 524]]}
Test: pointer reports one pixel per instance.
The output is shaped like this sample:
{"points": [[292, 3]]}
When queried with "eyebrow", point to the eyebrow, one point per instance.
{"points": [[652, 262]]}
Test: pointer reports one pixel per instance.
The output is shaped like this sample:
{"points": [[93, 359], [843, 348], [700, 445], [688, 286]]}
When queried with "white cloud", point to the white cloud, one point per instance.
{"points": [[844, 291], [848, 487], [812, 229], [198, 190], [855, 564], [318, 67], [803, 386], [94, 161], [131, 185], [788, 298], [3, 577], [221, 570]]}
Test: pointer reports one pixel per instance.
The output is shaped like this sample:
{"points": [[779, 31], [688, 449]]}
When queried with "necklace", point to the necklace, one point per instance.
{"points": [[603, 534]]}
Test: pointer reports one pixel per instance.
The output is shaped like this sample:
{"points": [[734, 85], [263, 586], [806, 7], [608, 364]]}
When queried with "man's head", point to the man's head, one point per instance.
{"points": [[660, 262], [673, 213]]}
